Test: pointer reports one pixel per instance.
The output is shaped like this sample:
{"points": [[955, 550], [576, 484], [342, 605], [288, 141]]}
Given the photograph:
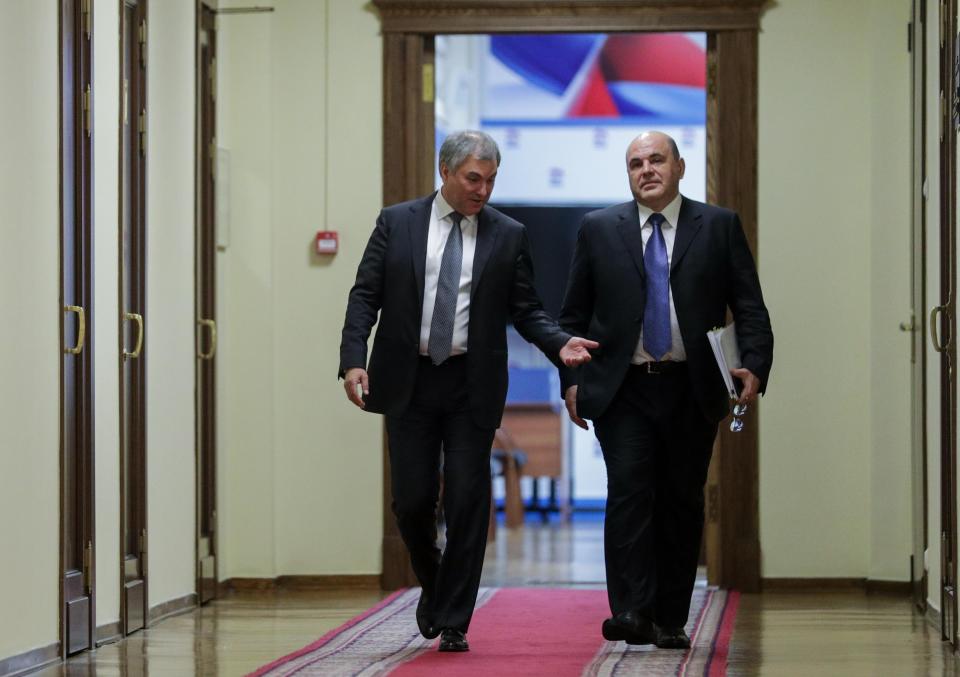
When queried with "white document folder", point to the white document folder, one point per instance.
{"points": [[723, 341]]}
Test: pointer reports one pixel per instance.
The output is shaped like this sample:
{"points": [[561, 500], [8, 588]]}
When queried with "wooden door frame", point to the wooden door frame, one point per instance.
{"points": [[409, 27], [201, 149], [75, 30]]}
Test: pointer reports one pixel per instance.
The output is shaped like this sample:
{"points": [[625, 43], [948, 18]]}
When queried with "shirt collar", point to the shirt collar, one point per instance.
{"points": [[671, 212], [443, 209]]}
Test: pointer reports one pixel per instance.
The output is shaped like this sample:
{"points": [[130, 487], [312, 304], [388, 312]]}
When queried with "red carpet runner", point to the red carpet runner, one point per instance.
{"points": [[514, 632]]}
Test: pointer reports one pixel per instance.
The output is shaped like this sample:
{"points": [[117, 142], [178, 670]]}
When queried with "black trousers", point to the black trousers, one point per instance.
{"points": [[657, 445], [438, 418]]}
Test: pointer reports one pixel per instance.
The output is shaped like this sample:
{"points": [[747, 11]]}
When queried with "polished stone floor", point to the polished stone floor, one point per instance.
{"points": [[844, 633]]}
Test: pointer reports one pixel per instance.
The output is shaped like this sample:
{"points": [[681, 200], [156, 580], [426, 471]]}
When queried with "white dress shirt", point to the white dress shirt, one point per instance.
{"points": [[669, 228], [439, 230]]}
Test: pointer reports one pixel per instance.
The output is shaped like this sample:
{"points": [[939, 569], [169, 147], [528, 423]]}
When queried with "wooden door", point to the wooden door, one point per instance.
{"points": [[943, 321], [205, 302], [409, 142], [76, 382], [133, 457]]}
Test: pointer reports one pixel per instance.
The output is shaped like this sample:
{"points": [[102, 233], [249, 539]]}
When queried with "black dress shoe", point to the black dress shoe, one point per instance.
{"points": [[630, 627], [453, 640], [672, 638], [423, 624]]}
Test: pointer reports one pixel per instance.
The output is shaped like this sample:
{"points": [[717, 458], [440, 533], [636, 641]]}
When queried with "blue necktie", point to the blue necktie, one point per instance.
{"points": [[448, 288], [656, 315]]}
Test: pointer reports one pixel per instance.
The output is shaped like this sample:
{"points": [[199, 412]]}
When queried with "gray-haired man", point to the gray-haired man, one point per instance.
{"points": [[446, 274]]}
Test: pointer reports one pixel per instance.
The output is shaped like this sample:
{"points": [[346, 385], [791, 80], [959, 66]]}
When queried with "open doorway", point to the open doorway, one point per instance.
{"points": [[409, 30]]}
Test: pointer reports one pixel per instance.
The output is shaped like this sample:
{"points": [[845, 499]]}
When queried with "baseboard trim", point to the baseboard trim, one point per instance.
{"points": [[247, 584], [172, 607], [108, 633], [934, 618], [30, 660], [836, 584], [331, 582], [904, 588]]}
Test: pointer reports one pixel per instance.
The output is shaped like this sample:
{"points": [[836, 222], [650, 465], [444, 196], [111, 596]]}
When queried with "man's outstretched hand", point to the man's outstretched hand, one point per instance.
{"points": [[577, 351]]}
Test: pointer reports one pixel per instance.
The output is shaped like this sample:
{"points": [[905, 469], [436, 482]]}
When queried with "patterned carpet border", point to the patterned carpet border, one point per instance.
{"points": [[400, 597], [385, 637], [712, 615]]}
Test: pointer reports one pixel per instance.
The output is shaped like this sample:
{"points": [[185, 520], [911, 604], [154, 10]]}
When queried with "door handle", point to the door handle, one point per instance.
{"points": [[212, 325], [139, 320], [934, 337], [81, 331]]}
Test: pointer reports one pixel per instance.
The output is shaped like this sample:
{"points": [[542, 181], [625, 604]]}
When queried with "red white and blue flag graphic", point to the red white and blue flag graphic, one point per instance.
{"points": [[564, 107], [636, 78]]}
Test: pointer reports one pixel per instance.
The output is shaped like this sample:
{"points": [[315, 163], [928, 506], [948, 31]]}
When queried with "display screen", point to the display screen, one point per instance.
{"points": [[564, 107]]}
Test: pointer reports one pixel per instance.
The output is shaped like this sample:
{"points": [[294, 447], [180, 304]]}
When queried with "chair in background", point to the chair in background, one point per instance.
{"points": [[507, 460]]}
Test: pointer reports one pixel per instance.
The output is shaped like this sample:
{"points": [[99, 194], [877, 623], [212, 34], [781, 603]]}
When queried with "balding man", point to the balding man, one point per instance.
{"points": [[445, 273], [649, 279]]}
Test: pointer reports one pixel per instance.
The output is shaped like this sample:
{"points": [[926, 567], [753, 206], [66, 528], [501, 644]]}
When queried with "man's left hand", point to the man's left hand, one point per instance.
{"points": [[751, 385], [577, 351]]}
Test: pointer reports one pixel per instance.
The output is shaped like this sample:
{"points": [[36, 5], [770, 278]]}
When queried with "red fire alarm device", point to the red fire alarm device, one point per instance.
{"points": [[327, 242]]}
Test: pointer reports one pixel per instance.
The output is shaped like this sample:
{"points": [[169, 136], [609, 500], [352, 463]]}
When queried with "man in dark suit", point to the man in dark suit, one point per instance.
{"points": [[649, 279], [446, 274]]}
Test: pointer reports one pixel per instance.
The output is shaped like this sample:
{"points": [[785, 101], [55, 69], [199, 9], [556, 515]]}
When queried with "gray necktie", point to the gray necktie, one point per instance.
{"points": [[448, 288]]}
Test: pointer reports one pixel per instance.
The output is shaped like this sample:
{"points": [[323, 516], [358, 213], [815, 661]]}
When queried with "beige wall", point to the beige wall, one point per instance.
{"points": [[169, 317], [245, 297], [303, 136], [336, 169], [106, 143], [834, 228], [30, 345], [890, 221]]}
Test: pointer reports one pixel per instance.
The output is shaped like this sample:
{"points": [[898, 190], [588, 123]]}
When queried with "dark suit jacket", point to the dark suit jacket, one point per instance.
{"points": [[711, 269], [390, 280]]}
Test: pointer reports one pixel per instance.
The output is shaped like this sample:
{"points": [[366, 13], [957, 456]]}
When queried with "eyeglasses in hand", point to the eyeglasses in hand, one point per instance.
{"points": [[736, 425]]}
